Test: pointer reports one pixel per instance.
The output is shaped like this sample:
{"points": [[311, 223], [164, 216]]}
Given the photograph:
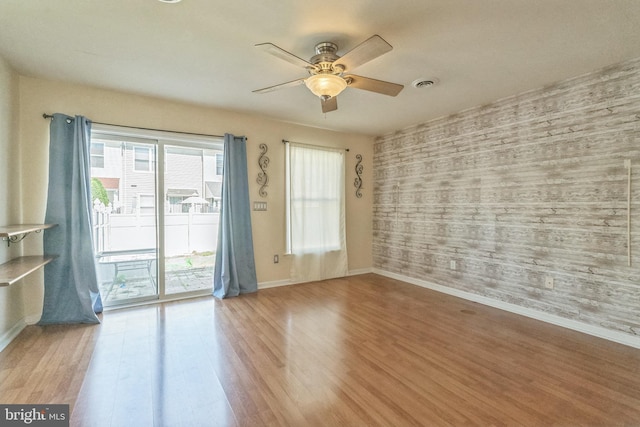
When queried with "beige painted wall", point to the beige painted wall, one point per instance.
{"points": [[43, 96], [11, 298]]}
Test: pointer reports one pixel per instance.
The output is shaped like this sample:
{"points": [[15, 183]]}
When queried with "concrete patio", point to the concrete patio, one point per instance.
{"points": [[182, 274]]}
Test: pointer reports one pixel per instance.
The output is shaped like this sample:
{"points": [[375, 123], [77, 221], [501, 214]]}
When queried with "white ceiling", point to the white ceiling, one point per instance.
{"points": [[202, 51]]}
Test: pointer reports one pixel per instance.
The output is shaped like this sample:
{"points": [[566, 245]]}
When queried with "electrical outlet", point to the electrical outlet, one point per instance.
{"points": [[452, 264], [276, 259], [548, 282]]}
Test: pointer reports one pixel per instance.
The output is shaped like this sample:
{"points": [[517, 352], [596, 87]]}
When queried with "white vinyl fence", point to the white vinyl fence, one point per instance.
{"points": [[185, 233]]}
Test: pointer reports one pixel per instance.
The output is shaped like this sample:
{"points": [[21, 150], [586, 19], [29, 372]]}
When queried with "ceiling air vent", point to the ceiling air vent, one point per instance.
{"points": [[422, 83]]}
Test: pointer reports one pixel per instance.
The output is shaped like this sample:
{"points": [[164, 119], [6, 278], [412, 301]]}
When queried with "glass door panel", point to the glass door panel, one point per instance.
{"points": [[123, 189], [192, 186]]}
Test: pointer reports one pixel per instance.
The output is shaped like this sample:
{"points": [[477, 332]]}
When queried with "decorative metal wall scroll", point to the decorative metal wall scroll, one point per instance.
{"points": [[263, 178], [358, 181]]}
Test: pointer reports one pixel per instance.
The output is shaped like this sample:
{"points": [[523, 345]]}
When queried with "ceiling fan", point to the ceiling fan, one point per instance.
{"points": [[326, 69]]}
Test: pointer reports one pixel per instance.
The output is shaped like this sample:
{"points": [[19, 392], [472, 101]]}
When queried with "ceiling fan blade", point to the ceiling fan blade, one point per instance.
{"points": [[329, 105], [373, 85], [280, 86], [283, 54], [369, 49]]}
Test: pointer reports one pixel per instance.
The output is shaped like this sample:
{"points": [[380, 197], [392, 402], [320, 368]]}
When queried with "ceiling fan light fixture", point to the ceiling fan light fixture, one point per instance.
{"points": [[325, 85]]}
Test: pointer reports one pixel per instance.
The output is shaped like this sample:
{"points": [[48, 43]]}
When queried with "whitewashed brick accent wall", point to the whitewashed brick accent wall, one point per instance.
{"points": [[525, 189]]}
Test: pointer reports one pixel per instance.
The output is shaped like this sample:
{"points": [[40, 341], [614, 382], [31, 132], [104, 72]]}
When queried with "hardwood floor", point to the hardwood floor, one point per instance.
{"points": [[365, 350]]}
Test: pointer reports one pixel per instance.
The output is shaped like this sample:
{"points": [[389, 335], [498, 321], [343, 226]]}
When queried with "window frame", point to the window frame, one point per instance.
{"points": [[339, 199]]}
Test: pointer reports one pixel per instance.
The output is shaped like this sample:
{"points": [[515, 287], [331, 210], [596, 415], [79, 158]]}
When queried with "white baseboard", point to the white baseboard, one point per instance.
{"points": [[32, 320], [360, 271], [289, 282], [275, 284], [597, 331], [7, 337], [16, 329]]}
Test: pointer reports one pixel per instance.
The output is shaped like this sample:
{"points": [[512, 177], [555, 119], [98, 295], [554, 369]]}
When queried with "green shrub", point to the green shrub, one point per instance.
{"points": [[98, 191]]}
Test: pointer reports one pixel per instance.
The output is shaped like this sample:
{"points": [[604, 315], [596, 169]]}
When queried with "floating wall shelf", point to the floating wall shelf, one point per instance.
{"points": [[15, 233], [18, 268]]}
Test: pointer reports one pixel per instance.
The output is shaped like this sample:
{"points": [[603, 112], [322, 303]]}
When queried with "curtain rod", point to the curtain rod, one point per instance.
{"points": [[50, 116], [284, 141]]}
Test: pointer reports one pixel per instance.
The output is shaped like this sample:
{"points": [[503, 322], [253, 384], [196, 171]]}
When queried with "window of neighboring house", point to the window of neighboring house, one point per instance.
{"points": [[219, 158], [146, 203], [143, 159], [97, 154]]}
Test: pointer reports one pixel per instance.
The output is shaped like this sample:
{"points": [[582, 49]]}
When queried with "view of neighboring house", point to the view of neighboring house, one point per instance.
{"points": [[127, 172]]}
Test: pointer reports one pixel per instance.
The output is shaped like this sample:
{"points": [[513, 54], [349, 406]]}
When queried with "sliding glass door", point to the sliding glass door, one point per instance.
{"points": [[192, 181], [155, 210]]}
